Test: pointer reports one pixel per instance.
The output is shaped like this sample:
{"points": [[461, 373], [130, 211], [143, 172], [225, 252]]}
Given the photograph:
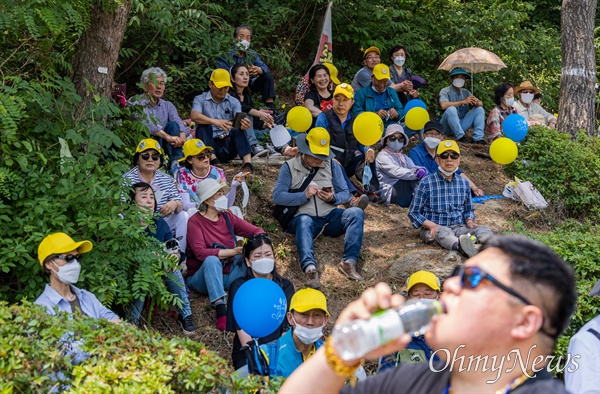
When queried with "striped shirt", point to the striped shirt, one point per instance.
{"points": [[443, 202], [162, 184]]}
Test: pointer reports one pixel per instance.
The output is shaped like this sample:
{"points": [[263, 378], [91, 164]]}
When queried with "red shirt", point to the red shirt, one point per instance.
{"points": [[203, 233]]}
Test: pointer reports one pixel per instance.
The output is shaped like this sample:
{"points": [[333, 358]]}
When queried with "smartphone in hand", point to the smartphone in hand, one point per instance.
{"points": [[237, 120]]}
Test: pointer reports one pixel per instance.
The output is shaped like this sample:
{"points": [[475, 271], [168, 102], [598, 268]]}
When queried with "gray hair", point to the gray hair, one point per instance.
{"points": [[237, 30], [156, 71]]}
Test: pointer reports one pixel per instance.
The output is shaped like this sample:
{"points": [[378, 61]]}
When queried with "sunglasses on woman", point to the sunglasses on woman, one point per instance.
{"points": [[200, 156], [146, 156], [394, 138], [69, 257], [453, 155], [257, 237]]}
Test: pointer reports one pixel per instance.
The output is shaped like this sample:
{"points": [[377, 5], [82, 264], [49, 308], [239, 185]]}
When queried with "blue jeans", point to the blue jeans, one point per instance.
{"points": [[235, 144], [176, 286], [453, 125], [337, 222], [211, 280], [171, 128]]}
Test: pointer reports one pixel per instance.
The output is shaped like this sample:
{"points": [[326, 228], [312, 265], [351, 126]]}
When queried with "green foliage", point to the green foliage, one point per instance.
{"points": [[579, 245], [61, 171], [566, 172], [122, 359]]}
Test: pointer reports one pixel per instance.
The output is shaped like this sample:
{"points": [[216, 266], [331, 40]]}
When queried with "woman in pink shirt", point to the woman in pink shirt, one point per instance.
{"points": [[214, 259]]}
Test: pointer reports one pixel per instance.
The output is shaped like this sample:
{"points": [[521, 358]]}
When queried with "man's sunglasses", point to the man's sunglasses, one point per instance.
{"points": [[471, 277], [146, 156], [69, 257], [446, 155], [200, 156]]}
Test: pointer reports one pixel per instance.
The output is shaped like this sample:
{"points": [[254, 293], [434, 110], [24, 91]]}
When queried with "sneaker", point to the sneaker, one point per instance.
{"points": [[187, 324], [272, 150], [349, 269], [259, 151], [479, 142], [361, 202], [466, 246], [462, 139], [312, 279]]}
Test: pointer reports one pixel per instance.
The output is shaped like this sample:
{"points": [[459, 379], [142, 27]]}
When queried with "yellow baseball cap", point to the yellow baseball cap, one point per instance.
{"points": [[425, 277], [58, 243], [148, 143], [381, 71], [345, 89], [306, 299], [446, 146], [371, 49], [221, 78], [333, 73], [193, 147], [315, 143]]}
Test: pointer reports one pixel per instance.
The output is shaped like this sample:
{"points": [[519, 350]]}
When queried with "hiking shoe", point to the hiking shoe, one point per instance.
{"points": [[361, 202], [349, 269], [259, 151], [466, 246], [479, 142], [462, 139], [187, 324], [312, 279]]}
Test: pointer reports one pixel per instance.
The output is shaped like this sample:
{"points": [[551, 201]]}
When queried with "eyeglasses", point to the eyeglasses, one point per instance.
{"points": [[373, 57], [471, 277], [394, 138], [146, 156], [432, 132], [257, 237], [69, 257], [200, 156], [453, 155]]}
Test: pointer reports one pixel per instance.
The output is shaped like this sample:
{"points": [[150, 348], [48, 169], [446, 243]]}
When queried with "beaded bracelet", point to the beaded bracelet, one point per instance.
{"points": [[338, 365]]}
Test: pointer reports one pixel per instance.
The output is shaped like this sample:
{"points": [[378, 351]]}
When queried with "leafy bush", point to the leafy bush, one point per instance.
{"points": [[122, 359], [566, 172]]}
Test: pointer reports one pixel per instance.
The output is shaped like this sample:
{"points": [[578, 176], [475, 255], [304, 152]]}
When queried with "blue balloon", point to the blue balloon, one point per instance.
{"points": [[414, 103], [515, 127], [259, 307]]}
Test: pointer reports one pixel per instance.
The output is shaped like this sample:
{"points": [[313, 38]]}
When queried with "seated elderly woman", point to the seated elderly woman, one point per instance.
{"points": [[143, 196], [197, 168], [529, 108], [60, 258], [214, 260], [147, 159], [398, 175], [163, 121], [320, 96], [260, 263], [504, 97]]}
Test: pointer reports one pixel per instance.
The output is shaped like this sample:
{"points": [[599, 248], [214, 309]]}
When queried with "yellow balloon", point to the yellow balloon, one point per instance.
{"points": [[416, 118], [504, 151], [299, 119], [368, 128]]}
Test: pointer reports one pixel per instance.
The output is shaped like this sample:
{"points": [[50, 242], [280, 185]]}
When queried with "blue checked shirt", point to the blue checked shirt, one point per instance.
{"points": [[443, 202]]}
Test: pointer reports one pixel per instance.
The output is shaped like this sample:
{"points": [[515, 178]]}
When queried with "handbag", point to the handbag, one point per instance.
{"points": [[285, 214]]}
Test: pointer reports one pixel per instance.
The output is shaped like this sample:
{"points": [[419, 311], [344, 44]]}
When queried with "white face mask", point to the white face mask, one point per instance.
{"points": [[307, 335], [221, 203], [509, 101], [68, 273], [446, 173], [395, 146], [458, 82], [243, 45], [399, 61], [527, 98], [263, 266], [432, 142]]}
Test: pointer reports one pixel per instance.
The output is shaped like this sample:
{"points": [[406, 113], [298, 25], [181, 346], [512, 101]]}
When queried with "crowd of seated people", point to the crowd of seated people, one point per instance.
{"points": [[195, 205]]}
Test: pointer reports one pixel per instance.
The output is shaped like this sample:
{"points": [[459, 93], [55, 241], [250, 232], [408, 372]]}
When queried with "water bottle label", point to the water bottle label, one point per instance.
{"points": [[389, 326]]}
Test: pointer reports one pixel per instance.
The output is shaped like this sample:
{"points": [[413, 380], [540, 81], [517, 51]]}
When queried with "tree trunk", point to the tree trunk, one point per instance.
{"points": [[578, 76], [95, 59]]}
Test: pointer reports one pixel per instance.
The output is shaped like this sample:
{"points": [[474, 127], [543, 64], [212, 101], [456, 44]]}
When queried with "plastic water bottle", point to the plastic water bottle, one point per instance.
{"points": [[356, 338]]}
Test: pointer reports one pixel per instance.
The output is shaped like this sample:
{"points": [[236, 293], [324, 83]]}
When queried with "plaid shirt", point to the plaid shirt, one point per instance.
{"points": [[443, 202], [496, 118]]}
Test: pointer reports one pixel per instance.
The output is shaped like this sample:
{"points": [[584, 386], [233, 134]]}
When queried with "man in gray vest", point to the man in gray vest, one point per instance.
{"points": [[317, 204]]}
